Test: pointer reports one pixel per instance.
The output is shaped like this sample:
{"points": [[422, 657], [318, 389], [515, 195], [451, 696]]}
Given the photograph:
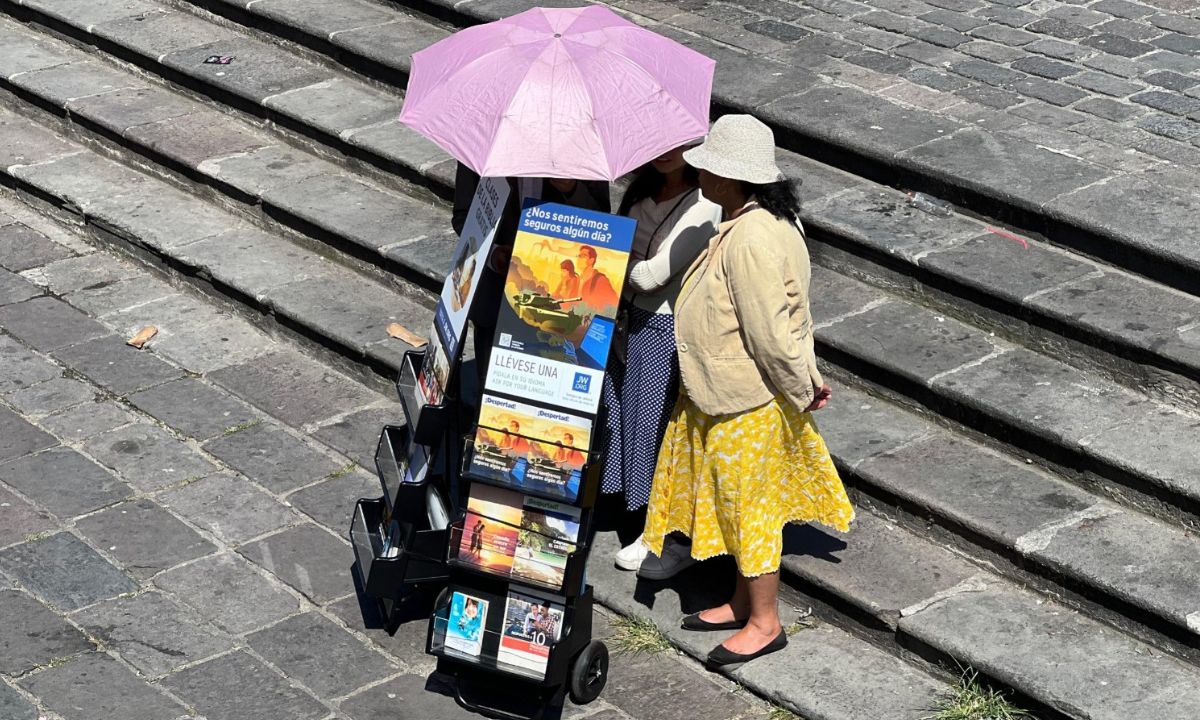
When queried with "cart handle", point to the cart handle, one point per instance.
{"points": [[486, 710]]}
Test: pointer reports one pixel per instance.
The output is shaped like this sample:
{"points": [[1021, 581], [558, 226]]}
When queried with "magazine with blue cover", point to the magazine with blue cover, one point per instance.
{"points": [[464, 626]]}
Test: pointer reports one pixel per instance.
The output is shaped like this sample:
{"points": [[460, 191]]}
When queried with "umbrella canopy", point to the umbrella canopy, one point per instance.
{"points": [[558, 92]]}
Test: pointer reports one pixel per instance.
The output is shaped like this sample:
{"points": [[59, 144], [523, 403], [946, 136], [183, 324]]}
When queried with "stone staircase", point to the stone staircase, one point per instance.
{"points": [[1016, 419]]}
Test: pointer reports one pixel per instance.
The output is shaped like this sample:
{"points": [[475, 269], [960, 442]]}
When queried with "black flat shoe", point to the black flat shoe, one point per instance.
{"points": [[722, 656], [695, 622]]}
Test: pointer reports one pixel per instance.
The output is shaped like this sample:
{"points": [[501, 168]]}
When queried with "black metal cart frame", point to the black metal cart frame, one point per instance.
{"points": [[401, 548]]}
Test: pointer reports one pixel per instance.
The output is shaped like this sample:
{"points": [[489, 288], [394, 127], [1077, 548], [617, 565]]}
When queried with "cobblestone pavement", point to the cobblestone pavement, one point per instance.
{"points": [[172, 520], [1113, 81]]}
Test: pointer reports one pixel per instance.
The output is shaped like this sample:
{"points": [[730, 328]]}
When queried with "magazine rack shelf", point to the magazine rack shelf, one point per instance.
{"points": [[499, 670], [395, 557], [400, 538], [404, 472], [428, 422], [493, 656]]}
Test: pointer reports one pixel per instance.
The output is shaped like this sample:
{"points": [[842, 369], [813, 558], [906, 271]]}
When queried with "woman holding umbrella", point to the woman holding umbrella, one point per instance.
{"points": [[674, 225], [741, 456]]}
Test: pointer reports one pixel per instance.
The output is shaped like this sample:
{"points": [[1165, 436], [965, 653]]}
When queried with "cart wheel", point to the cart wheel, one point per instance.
{"points": [[589, 673]]}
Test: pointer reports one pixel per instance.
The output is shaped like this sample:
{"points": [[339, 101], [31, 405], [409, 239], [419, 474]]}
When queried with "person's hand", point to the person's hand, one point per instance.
{"points": [[820, 398], [498, 258], [566, 187]]}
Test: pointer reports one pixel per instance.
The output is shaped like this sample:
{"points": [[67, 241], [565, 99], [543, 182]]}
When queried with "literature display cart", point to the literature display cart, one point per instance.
{"points": [[498, 513], [514, 621]]}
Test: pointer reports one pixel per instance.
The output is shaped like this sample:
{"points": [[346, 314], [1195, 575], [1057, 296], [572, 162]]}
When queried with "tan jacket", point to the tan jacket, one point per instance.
{"points": [[742, 321]]}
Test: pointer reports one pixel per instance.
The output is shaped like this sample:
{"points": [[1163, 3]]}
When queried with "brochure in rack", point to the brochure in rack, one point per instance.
{"points": [[458, 290], [464, 626], [507, 533], [531, 627], [529, 447], [489, 535]]}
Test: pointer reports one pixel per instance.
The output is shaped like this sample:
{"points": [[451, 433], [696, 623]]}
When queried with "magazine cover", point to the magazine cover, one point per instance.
{"points": [[531, 627], [529, 447], [489, 536], [549, 533], [470, 258], [464, 627], [434, 374], [556, 323]]}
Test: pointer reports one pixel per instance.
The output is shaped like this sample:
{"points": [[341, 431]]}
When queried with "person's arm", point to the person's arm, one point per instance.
{"points": [[687, 240], [759, 291], [465, 184]]}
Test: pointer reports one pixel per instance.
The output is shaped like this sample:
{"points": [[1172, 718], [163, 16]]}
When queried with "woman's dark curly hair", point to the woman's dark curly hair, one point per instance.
{"points": [[778, 198], [647, 182]]}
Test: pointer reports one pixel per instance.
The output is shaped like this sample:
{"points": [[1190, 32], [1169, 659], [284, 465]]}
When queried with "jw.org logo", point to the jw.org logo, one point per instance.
{"points": [[583, 382]]}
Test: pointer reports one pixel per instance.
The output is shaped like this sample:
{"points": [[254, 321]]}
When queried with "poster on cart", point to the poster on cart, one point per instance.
{"points": [[458, 291], [556, 321]]}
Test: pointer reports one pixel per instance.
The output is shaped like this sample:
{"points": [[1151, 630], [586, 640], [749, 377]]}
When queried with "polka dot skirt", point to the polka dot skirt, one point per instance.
{"points": [[639, 397]]}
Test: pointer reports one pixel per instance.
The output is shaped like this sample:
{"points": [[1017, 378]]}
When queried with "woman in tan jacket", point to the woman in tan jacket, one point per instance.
{"points": [[741, 456]]}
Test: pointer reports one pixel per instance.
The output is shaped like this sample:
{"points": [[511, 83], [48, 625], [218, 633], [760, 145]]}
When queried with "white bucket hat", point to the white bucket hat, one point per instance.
{"points": [[738, 147]]}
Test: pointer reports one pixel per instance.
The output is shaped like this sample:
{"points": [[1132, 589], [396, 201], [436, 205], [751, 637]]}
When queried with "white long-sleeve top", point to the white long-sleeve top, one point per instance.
{"points": [[658, 259]]}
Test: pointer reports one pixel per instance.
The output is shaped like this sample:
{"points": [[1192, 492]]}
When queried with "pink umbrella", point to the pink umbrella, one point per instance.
{"points": [[566, 92]]}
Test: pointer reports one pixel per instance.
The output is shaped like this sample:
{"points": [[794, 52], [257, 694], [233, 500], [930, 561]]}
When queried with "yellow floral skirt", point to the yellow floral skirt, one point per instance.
{"points": [[731, 482]]}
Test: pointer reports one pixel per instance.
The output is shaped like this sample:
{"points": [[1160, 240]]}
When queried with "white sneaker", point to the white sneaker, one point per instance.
{"points": [[676, 558], [631, 556]]}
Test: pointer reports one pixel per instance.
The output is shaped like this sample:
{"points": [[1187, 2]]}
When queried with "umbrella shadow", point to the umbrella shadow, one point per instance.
{"points": [[711, 582], [812, 541], [702, 586]]}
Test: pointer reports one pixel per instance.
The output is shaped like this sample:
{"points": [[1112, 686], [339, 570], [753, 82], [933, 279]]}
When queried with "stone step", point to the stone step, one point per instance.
{"points": [[1067, 661], [267, 173], [355, 338], [1131, 446], [79, 180], [1090, 196], [1132, 570], [1072, 307], [856, 679], [319, 102], [942, 607], [279, 283], [245, 167]]}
